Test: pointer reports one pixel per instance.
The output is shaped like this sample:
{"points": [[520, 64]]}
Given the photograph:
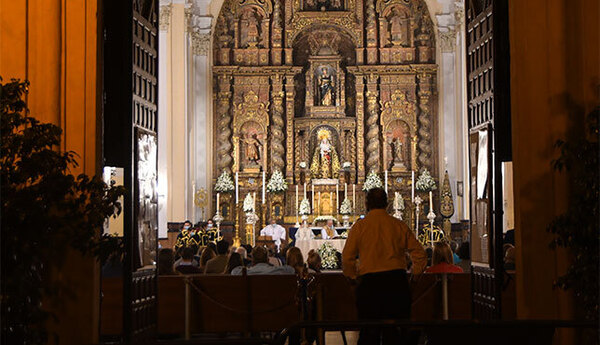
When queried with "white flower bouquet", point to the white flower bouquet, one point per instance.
{"points": [[346, 207], [372, 181], [276, 183], [224, 183], [425, 182]]}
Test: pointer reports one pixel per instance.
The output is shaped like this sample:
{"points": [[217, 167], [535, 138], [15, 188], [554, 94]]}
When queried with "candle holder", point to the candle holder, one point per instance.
{"points": [[431, 218], [418, 202]]}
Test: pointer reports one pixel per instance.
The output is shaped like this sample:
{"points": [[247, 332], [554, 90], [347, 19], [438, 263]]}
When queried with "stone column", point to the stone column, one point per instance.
{"points": [[164, 101], [372, 125], [424, 159], [224, 154], [277, 137], [360, 127]]}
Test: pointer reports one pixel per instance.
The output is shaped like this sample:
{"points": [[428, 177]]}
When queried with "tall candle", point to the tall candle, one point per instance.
{"points": [[237, 188], [296, 197], [354, 196], [337, 197], [313, 197], [412, 192], [386, 181], [331, 196], [254, 200], [319, 204], [431, 200], [218, 202], [264, 186], [345, 190], [304, 190]]}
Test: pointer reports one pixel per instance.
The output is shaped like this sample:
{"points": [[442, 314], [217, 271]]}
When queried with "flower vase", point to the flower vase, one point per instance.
{"points": [[346, 220], [304, 217]]}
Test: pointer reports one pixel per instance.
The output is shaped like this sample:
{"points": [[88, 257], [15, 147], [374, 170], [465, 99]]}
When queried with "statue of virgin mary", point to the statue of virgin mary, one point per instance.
{"points": [[325, 162]]}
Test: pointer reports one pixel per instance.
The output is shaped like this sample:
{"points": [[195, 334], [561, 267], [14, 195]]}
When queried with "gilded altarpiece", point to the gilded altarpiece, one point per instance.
{"points": [[324, 91]]}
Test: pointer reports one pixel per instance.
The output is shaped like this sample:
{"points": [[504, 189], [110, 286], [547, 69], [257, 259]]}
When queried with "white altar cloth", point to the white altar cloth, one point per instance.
{"points": [[307, 245]]}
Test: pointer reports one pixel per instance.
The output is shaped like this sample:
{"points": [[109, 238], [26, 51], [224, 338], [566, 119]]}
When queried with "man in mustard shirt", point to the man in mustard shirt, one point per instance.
{"points": [[375, 255]]}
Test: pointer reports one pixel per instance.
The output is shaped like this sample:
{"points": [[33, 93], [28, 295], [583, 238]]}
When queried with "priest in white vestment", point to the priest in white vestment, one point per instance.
{"points": [[304, 233], [328, 231], [276, 231]]}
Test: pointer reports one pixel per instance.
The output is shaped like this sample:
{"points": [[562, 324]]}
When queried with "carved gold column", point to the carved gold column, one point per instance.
{"points": [[224, 154], [424, 158], [360, 129], [289, 132], [277, 34], [372, 125], [371, 33], [277, 137]]}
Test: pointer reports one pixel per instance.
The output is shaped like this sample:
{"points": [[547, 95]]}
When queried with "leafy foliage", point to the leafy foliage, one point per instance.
{"points": [[45, 212], [577, 228]]}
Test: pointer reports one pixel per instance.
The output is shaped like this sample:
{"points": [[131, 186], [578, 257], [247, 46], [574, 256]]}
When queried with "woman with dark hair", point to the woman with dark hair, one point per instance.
{"points": [[207, 254], [313, 261], [442, 260], [294, 258], [234, 260], [166, 260]]}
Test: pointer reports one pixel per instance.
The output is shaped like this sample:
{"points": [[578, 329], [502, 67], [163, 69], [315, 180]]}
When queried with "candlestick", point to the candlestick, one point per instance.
{"points": [[319, 204], [430, 200], [412, 192], [337, 198], [297, 223], [218, 202], [264, 186], [237, 188], [313, 197], [345, 190], [386, 181], [304, 190], [354, 196], [254, 202]]}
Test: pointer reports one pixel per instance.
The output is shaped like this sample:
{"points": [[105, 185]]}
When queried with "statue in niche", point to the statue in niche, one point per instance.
{"points": [[250, 28], [326, 87], [397, 32], [252, 148], [325, 162], [396, 139], [322, 5]]}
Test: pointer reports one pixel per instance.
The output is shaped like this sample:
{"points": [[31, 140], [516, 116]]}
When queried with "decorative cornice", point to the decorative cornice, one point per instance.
{"points": [[164, 17]]}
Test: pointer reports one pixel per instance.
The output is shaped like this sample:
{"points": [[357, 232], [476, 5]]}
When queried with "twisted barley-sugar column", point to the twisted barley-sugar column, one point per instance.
{"points": [[424, 118], [224, 155], [372, 132], [277, 139]]}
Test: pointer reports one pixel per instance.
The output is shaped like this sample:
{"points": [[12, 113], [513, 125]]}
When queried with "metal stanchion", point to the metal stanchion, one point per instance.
{"points": [[187, 309]]}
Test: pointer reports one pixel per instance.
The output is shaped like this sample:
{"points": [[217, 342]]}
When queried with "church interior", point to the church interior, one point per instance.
{"points": [[223, 127]]}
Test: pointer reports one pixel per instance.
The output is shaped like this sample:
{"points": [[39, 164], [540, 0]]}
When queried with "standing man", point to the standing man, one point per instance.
{"points": [[276, 231], [381, 241]]}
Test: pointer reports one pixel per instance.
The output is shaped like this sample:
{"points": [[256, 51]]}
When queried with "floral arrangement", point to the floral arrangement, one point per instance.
{"points": [[304, 207], [328, 256], [224, 183], [346, 165], [372, 181], [277, 183], [303, 165], [248, 204], [425, 182], [344, 234], [346, 207], [398, 202]]}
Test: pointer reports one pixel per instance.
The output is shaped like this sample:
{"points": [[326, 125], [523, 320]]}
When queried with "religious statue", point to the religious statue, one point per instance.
{"points": [[325, 163], [250, 28], [398, 155], [252, 148], [326, 85], [395, 20]]}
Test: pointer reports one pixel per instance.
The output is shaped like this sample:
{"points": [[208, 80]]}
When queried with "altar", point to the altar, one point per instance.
{"points": [[306, 246]]}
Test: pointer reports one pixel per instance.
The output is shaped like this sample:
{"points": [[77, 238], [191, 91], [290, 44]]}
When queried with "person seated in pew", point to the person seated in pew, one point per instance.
{"points": [[328, 232], [305, 233], [260, 265], [313, 261], [273, 259], [186, 266], [294, 259], [442, 260], [166, 259], [244, 254], [207, 254], [218, 263], [234, 260]]}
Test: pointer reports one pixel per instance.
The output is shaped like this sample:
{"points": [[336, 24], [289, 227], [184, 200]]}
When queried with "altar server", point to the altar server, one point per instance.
{"points": [[328, 231], [276, 231]]}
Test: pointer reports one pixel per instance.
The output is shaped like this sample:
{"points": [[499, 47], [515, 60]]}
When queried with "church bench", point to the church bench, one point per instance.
{"points": [[224, 303]]}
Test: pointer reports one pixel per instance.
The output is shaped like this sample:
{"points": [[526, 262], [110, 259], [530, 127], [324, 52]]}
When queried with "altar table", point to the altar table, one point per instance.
{"points": [[307, 245]]}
